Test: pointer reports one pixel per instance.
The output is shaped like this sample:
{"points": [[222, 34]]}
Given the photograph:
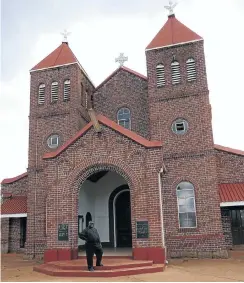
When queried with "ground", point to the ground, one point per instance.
{"points": [[14, 268]]}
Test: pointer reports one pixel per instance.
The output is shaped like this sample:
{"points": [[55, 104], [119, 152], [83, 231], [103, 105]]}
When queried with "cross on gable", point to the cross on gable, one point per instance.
{"points": [[121, 59], [65, 33], [171, 7]]}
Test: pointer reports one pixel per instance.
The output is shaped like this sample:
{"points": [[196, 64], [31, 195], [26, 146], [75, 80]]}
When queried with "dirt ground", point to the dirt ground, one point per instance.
{"points": [[14, 268]]}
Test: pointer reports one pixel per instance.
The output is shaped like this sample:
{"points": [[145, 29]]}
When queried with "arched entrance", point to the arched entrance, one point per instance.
{"points": [[105, 197]]}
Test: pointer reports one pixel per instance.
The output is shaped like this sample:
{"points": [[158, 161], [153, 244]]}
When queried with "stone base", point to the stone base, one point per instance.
{"points": [[199, 254], [156, 254]]}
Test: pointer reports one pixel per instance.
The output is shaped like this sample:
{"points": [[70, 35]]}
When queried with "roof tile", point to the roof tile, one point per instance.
{"points": [[173, 32], [60, 56], [231, 192], [14, 205]]}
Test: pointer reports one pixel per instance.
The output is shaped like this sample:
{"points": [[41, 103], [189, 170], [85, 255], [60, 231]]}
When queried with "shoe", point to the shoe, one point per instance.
{"points": [[99, 264], [91, 269]]}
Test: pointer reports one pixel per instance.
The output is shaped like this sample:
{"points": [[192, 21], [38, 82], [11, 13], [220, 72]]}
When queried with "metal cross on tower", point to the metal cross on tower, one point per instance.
{"points": [[171, 7], [65, 33], [121, 59]]}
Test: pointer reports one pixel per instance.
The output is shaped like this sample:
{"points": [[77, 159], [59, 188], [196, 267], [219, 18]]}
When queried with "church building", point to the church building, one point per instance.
{"points": [[135, 154]]}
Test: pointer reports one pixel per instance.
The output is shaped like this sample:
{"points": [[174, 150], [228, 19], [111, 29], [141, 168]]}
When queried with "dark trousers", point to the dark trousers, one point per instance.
{"points": [[92, 249]]}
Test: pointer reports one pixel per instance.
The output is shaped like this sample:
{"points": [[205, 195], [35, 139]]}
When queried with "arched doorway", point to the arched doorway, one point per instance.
{"points": [[103, 197], [122, 213]]}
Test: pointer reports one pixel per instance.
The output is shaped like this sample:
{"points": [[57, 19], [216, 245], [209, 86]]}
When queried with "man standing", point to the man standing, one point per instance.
{"points": [[93, 245]]}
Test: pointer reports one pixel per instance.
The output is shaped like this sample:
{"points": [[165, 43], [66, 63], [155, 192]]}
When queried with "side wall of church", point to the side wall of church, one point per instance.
{"points": [[230, 167], [124, 90], [4, 235], [206, 240]]}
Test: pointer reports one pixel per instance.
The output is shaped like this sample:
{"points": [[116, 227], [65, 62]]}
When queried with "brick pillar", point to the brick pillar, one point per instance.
{"points": [[4, 235], [14, 235]]}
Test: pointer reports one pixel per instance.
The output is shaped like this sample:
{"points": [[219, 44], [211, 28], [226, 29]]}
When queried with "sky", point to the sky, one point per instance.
{"points": [[100, 30]]}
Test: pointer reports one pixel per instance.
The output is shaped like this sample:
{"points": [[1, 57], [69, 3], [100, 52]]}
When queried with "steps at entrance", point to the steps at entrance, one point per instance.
{"points": [[111, 268]]}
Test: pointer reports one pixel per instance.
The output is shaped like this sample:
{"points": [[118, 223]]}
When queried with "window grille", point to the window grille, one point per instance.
{"points": [[191, 70], [54, 92], [66, 90], [41, 94], [124, 118], [175, 68], [186, 205], [160, 75]]}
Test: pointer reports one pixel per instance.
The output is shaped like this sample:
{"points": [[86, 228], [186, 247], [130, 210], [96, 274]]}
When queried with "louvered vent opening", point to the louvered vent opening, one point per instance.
{"points": [[66, 90], [54, 91], [41, 94], [175, 66], [191, 70], [160, 75]]}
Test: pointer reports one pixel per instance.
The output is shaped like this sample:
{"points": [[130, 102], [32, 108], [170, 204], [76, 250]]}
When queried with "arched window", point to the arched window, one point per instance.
{"points": [[191, 70], [41, 94], [123, 118], [66, 90], [186, 205], [160, 75], [175, 69], [54, 91]]}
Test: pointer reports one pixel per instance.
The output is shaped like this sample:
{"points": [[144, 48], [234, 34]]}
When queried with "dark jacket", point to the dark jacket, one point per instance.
{"points": [[90, 235]]}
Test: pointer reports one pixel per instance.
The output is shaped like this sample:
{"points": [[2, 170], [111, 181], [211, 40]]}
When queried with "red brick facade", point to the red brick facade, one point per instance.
{"points": [[54, 181]]}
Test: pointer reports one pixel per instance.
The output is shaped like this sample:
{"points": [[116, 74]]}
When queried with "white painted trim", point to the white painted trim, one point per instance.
{"points": [[56, 66], [32, 71], [182, 43], [17, 215], [232, 203], [114, 214]]}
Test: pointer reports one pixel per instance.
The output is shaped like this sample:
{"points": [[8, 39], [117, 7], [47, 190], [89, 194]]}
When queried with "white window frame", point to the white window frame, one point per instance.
{"points": [[191, 70], [179, 121], [66, 94], [41, 92], [54, 95], [124, 120], [178, 206], [160, 74], [175, 72], [49, 141]]}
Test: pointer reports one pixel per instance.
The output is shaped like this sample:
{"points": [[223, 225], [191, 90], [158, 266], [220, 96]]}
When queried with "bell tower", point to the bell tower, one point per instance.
{"points": [[60, 94], [180, 116]]}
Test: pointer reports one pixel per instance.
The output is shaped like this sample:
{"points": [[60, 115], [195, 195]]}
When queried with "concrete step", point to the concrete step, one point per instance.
{"points": [[52, 271]]}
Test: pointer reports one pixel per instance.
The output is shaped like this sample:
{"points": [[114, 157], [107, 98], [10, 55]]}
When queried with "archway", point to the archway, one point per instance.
{"points": [[101, 198]]}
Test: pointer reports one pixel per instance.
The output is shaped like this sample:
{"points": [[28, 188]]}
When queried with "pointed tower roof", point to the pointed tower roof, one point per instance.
{"points": [[62, 55], [173, 33]]}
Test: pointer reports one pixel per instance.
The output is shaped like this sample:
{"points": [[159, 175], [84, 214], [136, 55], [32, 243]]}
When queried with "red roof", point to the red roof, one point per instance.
{"points": [[231, 192], [60, 56], [125, 69], [14, 205], [173, 32], [111, 124], [14, 179], [228, 149]]}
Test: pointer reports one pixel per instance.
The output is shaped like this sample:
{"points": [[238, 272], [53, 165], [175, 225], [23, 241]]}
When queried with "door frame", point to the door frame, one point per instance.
{"points": [[114, 214]]}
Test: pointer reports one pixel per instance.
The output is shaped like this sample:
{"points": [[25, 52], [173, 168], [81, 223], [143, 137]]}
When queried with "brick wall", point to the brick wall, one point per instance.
{"points": [[124, 90], [106, 151], [206, 240], [230, 167], [4, 235], [62, 118], [226, 223], [19, 187]]}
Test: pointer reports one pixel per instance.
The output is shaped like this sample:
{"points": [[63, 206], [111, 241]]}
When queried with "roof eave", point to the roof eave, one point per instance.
{"points": [[175, 44]]}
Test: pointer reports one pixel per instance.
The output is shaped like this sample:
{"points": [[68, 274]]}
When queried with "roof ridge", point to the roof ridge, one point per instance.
{"points": [[229, 149], [111, 124], [117, 70], [62, 46]]}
